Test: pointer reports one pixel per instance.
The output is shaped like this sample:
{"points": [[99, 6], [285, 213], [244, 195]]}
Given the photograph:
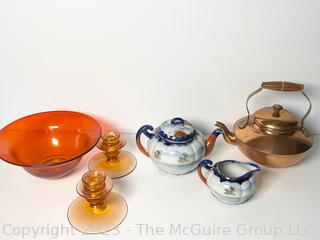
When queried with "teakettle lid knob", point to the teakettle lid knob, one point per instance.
{"points": [[277, 108]]}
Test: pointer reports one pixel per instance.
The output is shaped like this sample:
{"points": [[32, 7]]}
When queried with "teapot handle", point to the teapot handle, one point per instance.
{"points": [[206, 164], [279, 86], [145, 130]]}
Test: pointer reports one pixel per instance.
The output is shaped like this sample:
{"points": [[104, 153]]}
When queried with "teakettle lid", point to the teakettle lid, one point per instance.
{"points": [[275, 120], [176, 131]]}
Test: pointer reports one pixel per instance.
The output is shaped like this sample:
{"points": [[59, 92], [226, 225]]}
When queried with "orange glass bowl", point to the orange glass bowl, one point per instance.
{"points": [[49, 144]]}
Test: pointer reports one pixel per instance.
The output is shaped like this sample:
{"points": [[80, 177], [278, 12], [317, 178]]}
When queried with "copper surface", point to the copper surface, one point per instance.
{"points": [[271, 136]]}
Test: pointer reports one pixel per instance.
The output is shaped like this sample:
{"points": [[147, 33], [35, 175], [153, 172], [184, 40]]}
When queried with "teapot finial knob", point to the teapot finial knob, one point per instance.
{"points": [[177, 121], [277, 108]]}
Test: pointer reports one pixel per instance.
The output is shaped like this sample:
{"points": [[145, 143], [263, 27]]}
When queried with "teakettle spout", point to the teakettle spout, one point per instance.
{"points": [[227, 135]]}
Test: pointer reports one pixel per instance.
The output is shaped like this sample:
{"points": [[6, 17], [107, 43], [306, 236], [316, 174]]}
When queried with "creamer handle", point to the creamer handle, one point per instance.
{"points": [[206, 164]]}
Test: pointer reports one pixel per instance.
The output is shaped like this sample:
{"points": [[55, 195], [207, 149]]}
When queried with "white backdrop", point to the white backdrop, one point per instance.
{"points": [[131, 62]]}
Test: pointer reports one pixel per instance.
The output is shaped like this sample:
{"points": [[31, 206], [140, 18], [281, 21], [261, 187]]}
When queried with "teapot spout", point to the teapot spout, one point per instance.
{"points": [[211, 140], [228, 136]]}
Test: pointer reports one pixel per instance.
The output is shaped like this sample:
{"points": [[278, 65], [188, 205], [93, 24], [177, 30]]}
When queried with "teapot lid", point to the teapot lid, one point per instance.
{"points": [[275, 120], [176, 131]]}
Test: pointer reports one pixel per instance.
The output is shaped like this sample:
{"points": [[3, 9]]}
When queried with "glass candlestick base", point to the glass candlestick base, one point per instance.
{"points": [[114, 162], [120, 167], [97, 210]]}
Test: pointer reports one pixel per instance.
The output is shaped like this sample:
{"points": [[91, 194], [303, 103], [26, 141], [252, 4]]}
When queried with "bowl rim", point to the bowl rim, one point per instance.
{"points": [[59, 163]]}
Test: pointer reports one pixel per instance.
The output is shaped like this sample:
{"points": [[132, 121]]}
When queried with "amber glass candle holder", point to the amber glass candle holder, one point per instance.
{"points": [[97, 209], [114, 162]]}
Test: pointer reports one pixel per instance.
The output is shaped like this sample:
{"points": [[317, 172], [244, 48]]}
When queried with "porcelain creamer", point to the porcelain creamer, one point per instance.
{"points": [[230, 181]]}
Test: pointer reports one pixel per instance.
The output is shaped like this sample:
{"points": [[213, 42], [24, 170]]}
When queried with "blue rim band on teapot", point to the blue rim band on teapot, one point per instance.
{"points": [[177, 139]]}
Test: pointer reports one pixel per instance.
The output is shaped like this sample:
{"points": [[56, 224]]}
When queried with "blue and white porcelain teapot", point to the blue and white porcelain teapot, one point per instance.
{"points": [[230, 181], [175, 146]]}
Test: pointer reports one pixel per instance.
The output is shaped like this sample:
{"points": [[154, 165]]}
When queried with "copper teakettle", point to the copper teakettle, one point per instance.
{"points": [[271, 136]]}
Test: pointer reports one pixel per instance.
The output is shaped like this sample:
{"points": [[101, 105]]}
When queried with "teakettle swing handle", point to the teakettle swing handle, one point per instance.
{"points": [[279, 86], [282, 86]]}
